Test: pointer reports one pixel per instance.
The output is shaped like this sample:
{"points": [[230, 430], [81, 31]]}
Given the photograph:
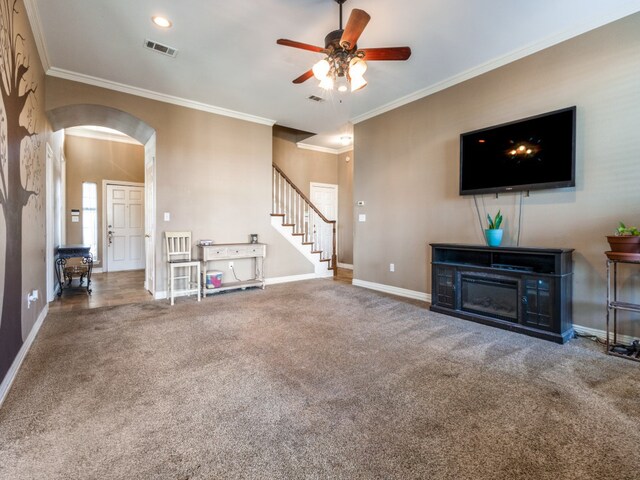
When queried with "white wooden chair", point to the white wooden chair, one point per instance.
{"points": [[180, 264]]}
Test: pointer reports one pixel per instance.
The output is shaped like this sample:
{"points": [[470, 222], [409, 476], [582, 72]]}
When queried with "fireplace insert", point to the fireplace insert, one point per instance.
{"points": [[496, 298]]}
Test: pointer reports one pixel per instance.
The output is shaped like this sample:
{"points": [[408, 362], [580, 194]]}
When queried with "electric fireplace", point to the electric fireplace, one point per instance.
{"points": [[526, 290]]}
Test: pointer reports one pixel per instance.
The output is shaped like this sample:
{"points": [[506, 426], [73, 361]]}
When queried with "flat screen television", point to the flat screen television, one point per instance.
{"points": [[530, 154]]}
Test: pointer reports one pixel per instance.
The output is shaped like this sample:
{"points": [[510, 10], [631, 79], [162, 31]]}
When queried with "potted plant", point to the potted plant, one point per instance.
{"points": [[626, 239], [493, 234]]}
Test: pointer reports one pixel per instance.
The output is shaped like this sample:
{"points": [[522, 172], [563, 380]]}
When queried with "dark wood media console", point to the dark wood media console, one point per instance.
{"points": [[526, 290]]}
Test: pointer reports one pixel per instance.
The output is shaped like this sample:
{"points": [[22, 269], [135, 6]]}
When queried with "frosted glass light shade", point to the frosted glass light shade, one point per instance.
{"points": [[357, 67], [357, 83], [321, 69], [326, 83]]}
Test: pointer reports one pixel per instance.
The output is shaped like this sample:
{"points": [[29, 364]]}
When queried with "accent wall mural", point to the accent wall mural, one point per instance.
{"points": [[21, 169]]}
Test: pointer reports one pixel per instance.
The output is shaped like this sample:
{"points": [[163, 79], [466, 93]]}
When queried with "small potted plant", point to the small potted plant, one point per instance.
{"points": [[626, 239], [493, 234]]}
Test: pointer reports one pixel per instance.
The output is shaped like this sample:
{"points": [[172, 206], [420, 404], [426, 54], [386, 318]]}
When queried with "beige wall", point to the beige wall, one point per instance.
{"points": [[92, 160], [408, 166], [22, 227], [213, 174], [304, 166]]}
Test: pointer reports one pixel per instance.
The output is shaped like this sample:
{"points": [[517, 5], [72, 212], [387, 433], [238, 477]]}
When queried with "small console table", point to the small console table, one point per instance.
{"points": [[613, 304], [63, 253], [526, 290], [233, 251]]}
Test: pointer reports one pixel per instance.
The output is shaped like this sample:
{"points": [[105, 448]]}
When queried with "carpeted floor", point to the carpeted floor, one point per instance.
{"points": [[313, 380]]}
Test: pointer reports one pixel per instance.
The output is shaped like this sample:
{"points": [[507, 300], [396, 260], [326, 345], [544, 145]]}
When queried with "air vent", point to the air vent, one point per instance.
{"points": [[160, 48], [315, 99]]}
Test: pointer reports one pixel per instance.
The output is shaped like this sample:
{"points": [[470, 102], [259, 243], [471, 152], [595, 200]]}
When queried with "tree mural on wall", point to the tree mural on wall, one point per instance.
{"points": [[19, 171]]}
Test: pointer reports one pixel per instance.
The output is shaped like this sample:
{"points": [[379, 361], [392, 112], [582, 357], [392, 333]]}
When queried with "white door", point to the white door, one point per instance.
{"points": [[325, 197], [125, 227]]}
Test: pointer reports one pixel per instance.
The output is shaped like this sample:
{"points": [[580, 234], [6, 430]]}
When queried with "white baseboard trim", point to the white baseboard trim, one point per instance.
{"points": [[602, 334], [291, 278], [96, 270], [5, 386], [348, 266], [401, 292]]}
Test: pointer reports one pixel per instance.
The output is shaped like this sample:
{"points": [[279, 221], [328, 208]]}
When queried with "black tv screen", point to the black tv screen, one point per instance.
{"points": [[530, 154]]}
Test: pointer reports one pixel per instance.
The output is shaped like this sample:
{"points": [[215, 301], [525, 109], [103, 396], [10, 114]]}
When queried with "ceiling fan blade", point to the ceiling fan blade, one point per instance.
{"points": [[303, 46], [355, 25], [304, 77], [389, 53]]}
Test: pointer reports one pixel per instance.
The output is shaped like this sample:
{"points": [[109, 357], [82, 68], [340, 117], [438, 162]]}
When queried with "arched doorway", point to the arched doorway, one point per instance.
{"points": [[87, 114]]}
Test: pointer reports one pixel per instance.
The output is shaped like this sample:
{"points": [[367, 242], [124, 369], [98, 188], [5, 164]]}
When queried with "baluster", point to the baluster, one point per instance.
{"points": [[273, 190], [295, 211]]}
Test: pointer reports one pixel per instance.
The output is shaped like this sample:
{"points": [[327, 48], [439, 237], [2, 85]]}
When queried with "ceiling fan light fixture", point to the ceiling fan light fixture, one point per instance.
{"points": [[326, 83], [357, 67], [321, 69], [357, 83]]}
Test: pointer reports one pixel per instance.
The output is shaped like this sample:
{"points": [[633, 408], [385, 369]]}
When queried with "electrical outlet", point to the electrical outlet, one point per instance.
{"points": [[32, 297], [392, 267], [230, 265]]}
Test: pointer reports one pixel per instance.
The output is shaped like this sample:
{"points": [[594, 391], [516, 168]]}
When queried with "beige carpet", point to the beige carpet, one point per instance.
{"points": [[313, 380]]}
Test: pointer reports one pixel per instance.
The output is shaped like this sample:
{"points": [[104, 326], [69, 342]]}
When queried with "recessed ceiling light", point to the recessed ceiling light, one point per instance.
{"points": [[161, 21]]}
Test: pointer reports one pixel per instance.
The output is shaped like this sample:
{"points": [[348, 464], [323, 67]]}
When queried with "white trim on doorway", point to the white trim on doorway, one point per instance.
{"points": [[50, 219]]}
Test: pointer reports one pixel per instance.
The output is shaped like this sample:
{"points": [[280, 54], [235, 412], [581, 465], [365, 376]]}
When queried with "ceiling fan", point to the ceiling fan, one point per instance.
{"points": [[343, 57]]}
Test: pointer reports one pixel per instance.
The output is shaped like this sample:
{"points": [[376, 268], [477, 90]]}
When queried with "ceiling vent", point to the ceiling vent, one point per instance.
{"points": [[313, 98], [160, 48]]}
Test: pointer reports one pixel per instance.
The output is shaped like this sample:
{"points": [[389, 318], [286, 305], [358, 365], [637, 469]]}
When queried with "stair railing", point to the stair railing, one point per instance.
{"points": [[305, 218]]}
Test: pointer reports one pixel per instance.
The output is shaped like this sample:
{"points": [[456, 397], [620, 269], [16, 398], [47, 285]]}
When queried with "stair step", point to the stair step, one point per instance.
{"points": [[298, 234], [325, 259], [288, 224], [307, 243], [277, 214], [316, 251]]}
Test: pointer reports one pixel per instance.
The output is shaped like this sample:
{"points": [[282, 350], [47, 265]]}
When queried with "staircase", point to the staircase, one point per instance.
{"points": [[303, 225]]}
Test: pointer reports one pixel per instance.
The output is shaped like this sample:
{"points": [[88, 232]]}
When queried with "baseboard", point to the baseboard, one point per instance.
{"points": [[401, 292], [602, 334], [5, 386], [348, 266], [96, 270], [291, 278]]}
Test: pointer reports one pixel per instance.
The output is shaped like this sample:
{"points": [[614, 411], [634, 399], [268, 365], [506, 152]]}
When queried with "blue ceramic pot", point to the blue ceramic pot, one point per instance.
{"points": [[494, 237]]}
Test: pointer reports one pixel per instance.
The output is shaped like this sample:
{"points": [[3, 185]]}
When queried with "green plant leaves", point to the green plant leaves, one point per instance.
{"points": [[495, 224]]}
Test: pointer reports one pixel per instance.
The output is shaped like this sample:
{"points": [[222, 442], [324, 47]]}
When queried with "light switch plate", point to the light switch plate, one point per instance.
{"points": [[362, 217], [167, 217]]}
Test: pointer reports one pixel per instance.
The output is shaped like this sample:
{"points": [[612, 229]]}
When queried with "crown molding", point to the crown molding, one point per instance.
{"points": [[31, 8], [593, 23], [161, 97], [317, 148]]}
